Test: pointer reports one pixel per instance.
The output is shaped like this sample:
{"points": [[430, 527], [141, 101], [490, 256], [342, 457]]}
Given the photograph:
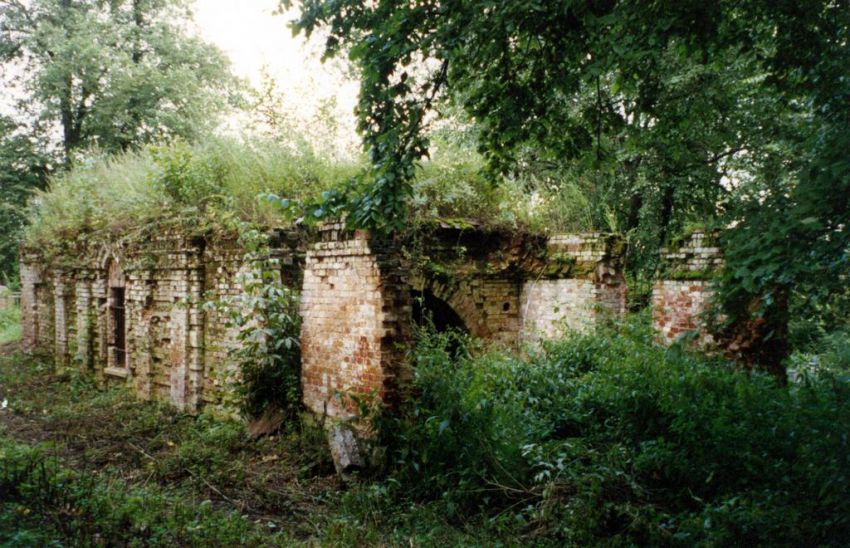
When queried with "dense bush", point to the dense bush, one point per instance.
{"points": [[610, 438], [268, 323]]}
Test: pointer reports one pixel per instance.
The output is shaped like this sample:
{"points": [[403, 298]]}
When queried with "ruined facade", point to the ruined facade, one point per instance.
{"points": [[139, 314], [683, 292], [135, 314], [359, 297]]}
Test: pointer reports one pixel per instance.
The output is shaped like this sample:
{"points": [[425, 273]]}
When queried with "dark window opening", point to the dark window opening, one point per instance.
{"points": [[119, 326]]}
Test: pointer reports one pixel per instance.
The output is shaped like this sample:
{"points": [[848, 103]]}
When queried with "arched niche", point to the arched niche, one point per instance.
{"points": [[487, 307]]}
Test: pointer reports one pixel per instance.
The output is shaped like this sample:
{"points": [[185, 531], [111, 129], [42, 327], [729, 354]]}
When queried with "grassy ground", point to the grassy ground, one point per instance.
{"points": [[83, 465], [275, 490], [10, 325], [597, 440]]}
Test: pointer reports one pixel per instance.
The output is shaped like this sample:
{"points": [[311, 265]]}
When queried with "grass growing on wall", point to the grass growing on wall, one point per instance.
{"points": [[209, 182]]}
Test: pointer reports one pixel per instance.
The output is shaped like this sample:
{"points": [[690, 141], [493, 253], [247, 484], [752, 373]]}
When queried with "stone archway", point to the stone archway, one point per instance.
{"points": [[430, 309]]}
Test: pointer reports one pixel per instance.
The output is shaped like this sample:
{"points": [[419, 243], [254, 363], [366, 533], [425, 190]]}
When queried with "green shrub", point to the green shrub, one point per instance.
{"points": [[607, 438], [266, 316]]}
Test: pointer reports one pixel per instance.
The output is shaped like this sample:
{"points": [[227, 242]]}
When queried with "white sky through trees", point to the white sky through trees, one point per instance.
{"points": [[256, 40]]}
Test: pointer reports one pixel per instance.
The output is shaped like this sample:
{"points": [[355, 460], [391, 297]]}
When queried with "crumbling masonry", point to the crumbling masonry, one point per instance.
{"points": [[136, 314], [683, 293]]}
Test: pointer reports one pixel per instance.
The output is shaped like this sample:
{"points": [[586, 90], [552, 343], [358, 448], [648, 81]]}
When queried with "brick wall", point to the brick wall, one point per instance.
{"points": [[162, 284], [581, 283], [223, 266], [683, 292], [355, 308], [30, 277], [487, 305], [177, 350]]}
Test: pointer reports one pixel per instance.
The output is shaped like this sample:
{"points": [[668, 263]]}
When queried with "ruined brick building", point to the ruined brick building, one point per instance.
{"points": [[137, 315]]}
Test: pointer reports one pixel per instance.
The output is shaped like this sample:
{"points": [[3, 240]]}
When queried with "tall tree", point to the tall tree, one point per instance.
{"points": [[114, 73]]}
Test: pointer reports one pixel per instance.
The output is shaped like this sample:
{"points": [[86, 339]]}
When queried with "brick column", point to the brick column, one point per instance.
{"points": [[63, 291], [29, 304], [683, 292], [356, 313], [582, 283], [195, 357], [86, 314]]}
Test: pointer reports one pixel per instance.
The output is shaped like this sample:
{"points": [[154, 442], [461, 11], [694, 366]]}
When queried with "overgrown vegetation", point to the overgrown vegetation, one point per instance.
{"points": [[79, 462], [10, 325], [268, 351], [43, 503], [602, 438], [220, 183], [732, 113], [609, 439]]}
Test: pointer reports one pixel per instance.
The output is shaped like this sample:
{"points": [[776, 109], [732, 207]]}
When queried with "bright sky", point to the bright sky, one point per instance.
{"points": [[255, 39]]}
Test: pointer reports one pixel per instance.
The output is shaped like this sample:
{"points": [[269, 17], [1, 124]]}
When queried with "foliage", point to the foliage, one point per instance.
{"points": [[269, 349], [110, 449], [23, 169], [42, 502], [10, 325], [215, 184], [277, 114], [732, 113], [209, 184], [643, 100], [114, 74], [608, 439]]}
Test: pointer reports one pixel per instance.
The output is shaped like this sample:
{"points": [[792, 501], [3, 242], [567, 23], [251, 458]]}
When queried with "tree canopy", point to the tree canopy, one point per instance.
{"points": [[22, 169], [114, 73], [100, 74], [726, 113]]}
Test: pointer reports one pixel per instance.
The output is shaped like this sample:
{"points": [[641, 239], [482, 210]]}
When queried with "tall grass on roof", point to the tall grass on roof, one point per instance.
{"points": [[202, 183], [206, 185]]}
